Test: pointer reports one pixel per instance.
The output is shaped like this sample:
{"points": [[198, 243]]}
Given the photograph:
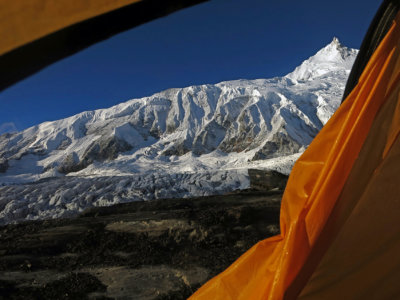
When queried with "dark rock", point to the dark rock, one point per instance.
{"points": [[127, 249], [64, 144], [177, 149], [209, 139], [106, 149], [69, 164], [280, 145], [3, 165], [266, 180], [101, 150]]}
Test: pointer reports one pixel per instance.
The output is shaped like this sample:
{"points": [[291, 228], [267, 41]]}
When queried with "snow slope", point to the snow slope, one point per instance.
{"points": [[210, 133]]}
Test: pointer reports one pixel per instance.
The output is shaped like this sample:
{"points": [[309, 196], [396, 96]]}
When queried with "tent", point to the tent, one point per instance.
{"points": [[340, 213], [340, 233]]}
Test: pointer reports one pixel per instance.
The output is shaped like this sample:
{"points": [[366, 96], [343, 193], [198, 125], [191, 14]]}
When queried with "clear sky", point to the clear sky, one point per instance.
{"points": [[208, 43]]}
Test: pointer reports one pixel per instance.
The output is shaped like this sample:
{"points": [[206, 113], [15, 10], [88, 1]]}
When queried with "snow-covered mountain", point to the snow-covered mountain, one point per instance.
{"points": [[208, 132], [332, 58]]}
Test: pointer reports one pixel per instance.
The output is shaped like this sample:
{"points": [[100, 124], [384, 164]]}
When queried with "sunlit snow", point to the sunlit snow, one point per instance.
{"points": [[182, 142]]}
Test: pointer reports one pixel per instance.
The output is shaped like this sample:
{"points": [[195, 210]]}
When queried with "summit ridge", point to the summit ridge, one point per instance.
{"points": [[182, 142]]}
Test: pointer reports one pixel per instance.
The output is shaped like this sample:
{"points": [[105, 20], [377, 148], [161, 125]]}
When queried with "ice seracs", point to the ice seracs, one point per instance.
{"points": [[197, 140]]}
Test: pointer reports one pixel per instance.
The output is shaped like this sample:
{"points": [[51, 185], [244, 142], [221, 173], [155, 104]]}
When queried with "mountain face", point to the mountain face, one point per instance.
{"points": [[206, 129], [334, 58]]}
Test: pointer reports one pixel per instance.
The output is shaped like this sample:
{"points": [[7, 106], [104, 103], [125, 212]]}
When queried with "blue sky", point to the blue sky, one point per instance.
{"points": [[208, 43]]}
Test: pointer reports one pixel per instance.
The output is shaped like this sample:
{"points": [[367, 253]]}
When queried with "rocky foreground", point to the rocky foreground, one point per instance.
{"points": [[162, 249]]}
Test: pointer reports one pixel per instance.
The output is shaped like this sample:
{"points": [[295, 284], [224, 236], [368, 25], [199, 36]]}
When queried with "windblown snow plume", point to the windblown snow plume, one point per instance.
{"points": [[198, 140]]}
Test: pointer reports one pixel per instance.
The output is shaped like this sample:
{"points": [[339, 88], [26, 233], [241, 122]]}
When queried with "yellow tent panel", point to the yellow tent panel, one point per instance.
{"points": [[22, 22], [36, 33]]}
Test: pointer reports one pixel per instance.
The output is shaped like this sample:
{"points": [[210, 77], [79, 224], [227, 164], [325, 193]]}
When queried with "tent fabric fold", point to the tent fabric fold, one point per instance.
{"points": [[326, 205]]}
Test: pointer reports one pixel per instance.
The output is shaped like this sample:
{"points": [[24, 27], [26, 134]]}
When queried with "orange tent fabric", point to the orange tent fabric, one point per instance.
{"points": [[282, 267], [362, 260]]}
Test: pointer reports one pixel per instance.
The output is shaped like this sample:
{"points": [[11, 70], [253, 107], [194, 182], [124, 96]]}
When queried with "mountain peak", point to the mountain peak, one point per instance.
{"points": [[335, 41], [333, 51], [336, 45], [334, 57], [193, 141]]}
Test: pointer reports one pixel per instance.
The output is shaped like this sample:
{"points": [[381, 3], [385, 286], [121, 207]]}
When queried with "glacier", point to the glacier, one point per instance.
{"points": [[182, 142]]}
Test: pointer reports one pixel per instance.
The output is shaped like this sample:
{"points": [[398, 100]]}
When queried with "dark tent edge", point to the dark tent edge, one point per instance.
{"points": [[375, 33]]}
